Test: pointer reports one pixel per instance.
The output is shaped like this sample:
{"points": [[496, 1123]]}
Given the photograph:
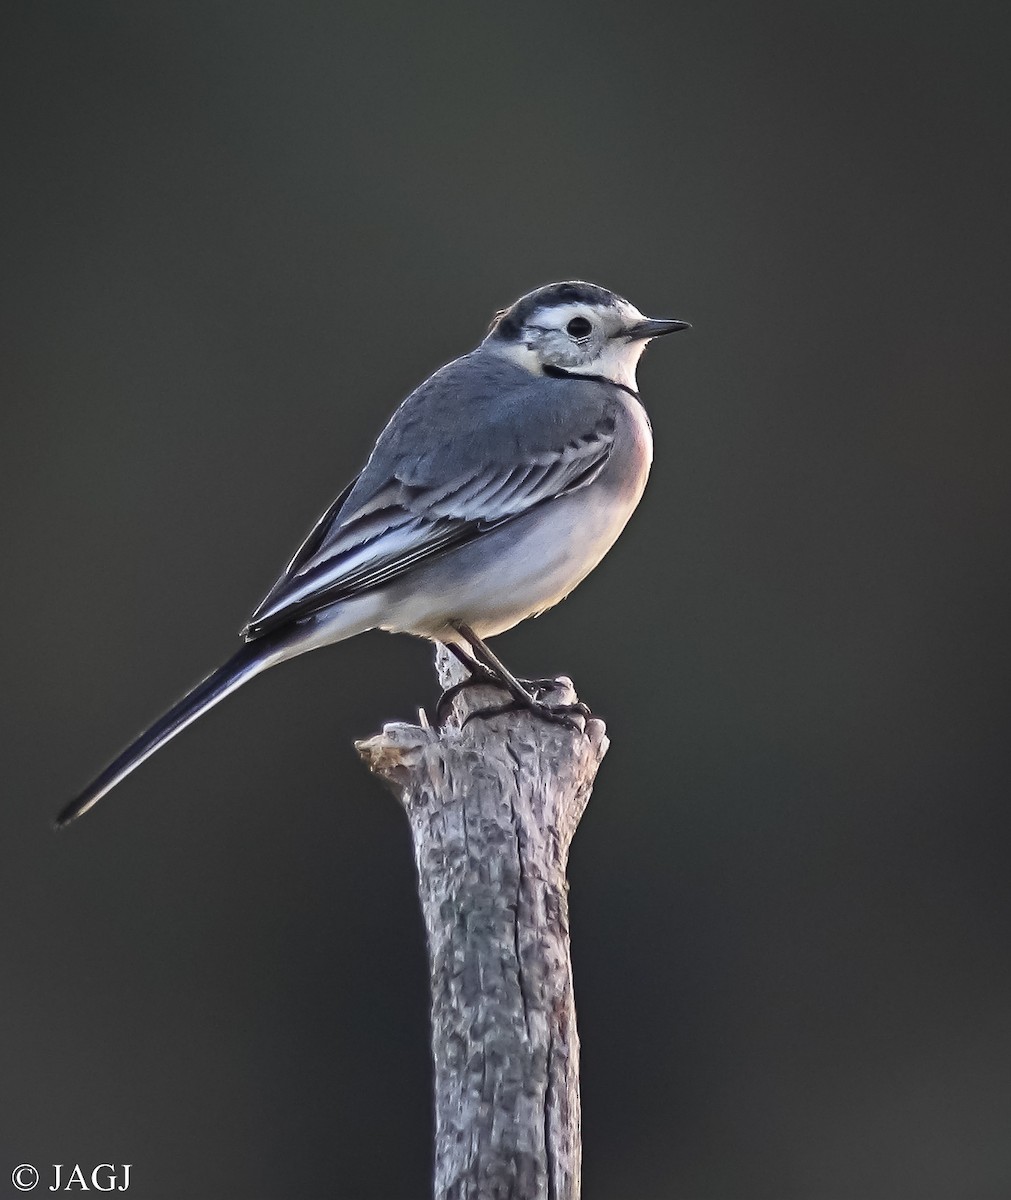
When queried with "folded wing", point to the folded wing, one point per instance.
{"points": [[358, 546]]}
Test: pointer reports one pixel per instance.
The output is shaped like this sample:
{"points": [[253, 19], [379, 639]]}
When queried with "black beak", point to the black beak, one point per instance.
{"points": [[651, 329]]}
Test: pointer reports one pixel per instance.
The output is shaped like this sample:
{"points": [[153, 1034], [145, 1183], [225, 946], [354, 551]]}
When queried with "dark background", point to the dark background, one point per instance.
{"points": [[235, 236]]}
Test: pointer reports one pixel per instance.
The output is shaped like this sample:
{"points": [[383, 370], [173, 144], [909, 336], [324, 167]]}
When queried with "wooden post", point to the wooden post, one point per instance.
{"points": [[493, 807]]}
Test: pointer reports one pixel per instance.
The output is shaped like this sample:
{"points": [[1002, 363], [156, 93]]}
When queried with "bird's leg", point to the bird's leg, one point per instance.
{"points": [[522, 691], [483, 676], [480, 676], [479, 672]]}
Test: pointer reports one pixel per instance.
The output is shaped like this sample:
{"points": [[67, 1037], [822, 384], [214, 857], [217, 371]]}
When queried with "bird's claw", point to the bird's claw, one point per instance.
{"points": [[536, 688], [556, 714], [444, 707]]}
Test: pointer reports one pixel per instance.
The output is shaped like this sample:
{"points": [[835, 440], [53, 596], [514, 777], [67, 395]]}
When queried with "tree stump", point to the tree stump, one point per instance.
{"points": [[493, 806]]}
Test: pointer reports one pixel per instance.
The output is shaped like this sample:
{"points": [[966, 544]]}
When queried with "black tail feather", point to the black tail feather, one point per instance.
{"points": [[243, 665]]}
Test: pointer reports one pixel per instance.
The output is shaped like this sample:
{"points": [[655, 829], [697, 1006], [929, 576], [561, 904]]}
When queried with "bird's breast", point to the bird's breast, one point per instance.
{"points": [[526, 566]]}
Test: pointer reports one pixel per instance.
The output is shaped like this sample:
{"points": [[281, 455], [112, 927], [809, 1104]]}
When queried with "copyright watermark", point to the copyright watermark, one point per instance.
{"points": [[105, 1177], [25, 1177]]}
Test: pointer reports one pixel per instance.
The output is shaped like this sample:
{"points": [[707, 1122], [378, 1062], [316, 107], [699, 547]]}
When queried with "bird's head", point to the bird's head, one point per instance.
{"points": [[576, 329]]}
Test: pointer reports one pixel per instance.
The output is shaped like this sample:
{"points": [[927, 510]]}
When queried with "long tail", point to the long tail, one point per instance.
{"points": [[241, 667]]}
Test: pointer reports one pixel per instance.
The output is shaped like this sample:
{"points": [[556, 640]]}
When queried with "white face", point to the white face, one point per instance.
{"points": [[586, 339]]}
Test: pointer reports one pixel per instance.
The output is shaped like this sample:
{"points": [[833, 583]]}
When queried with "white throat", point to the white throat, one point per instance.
{"points": [[617, 362]]}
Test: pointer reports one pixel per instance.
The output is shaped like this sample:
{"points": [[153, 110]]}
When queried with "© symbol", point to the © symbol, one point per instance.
{"points": [[24, 1177]]}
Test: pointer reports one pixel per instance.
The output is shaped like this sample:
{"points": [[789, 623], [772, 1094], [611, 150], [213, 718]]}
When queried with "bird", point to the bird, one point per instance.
{"points": [[493, 490]]}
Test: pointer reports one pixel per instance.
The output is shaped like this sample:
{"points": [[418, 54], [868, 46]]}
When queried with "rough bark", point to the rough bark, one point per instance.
{"points": [[493, 807]]}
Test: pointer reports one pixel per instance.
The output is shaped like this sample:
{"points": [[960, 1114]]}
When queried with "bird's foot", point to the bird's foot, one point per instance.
{"points": [[536, 688], [566, 715], [482, 678]]}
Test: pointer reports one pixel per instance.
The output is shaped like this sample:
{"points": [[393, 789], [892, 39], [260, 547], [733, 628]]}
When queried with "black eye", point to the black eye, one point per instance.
{"points": [[578, 327]]}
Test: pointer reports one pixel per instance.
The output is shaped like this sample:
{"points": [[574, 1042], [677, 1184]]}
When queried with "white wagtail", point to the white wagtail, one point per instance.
{"points": [[496, 487]]}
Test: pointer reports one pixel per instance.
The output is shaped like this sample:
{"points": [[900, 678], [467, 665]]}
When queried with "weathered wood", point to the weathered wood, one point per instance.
{"points": [[493, 807]]}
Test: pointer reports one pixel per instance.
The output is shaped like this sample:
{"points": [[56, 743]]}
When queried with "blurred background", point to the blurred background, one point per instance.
{"points": [[235, 237]]}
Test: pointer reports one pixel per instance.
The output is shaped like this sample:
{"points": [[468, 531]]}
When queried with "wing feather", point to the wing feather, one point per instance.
{"points": [[403, 523]]}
